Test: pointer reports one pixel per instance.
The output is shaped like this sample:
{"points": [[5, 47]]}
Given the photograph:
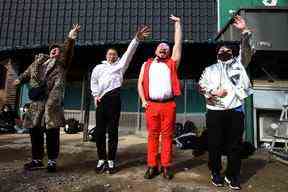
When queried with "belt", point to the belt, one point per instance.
{"points": [[113, 92], [162, 100]]}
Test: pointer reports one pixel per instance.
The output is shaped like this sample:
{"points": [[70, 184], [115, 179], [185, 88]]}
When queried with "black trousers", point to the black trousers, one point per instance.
{"points": [[52, 142], [225, 130], [107, 121]]}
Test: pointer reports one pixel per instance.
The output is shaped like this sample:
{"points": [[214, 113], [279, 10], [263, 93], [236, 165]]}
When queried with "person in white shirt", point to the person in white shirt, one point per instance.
{"points": [[158, 85], [106, 81], [225, 85]]}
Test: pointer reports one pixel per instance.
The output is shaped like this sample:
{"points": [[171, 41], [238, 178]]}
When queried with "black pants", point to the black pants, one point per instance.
{"points": [[225, 130], [107, 120], [52, 142]]}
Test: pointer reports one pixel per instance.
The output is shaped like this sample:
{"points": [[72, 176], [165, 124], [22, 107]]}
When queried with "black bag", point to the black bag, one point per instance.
{"points": [[73, 126], [178, 130], [200, 144], [187, 141], [92, 134], [189, 127], [38, 93]]}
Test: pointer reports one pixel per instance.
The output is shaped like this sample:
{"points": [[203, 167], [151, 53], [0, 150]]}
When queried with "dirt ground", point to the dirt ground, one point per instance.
{"points": [[77, 161]]}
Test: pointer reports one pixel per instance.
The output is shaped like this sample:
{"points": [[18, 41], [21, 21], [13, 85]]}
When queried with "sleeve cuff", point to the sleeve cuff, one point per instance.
{"points": [[94, 94], [246, 32]]}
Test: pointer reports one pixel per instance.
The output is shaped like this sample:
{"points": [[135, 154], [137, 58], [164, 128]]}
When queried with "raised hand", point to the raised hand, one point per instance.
{"points": [[239, 23], [143, 32], [16, 82], [74, 31], [174, 18]]}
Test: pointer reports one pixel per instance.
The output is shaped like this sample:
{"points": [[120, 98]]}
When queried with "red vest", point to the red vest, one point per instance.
{"points": [[175, 82]]}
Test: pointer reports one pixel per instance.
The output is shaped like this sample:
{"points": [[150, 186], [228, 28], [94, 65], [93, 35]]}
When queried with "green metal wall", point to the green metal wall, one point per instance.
{"points": [[226, 7]]}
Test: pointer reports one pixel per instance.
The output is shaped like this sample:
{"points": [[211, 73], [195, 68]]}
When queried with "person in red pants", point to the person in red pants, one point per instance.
{"points": [[158, 85]]}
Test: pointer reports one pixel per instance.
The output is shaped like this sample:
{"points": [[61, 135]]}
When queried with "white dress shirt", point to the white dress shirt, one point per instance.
{"points": [[108, 76], [159, 81]]}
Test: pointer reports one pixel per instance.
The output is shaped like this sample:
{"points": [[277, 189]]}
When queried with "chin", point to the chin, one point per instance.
{"points": [[162, 56], [55, 56]]}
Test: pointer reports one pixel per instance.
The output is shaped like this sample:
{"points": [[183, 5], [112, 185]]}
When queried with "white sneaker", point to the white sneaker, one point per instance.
{"points": [[111, 164], [100, 163], [111, 167], [101, 166]]}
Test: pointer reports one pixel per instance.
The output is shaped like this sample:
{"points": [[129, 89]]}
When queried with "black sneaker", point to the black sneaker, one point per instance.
{"points": [[151, 172], [51, 166], [217, 180], [167, 173], [110, 167], [33, 165], [233, 182], [101, 166]]}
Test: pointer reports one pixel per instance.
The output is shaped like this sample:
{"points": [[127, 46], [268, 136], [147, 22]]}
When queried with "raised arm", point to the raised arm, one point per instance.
{"points": [[26, 75], [246, 50], [141, 34], [69, 45], [177, 48]]}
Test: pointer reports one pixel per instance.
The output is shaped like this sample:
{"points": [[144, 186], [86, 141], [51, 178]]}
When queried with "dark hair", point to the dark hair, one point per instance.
{"points": [[233, 46], [112, 48], [55, 45]]}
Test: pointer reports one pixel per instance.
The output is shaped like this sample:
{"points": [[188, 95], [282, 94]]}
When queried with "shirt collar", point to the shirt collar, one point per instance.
{"points": [[106, 62]]}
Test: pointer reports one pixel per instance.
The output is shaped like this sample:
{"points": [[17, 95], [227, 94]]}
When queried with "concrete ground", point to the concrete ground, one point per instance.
{"points": [[77, 161]]}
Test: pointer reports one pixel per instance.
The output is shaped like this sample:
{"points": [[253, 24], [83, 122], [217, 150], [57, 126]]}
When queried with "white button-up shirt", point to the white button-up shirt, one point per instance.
{"points": [[108, 76]]}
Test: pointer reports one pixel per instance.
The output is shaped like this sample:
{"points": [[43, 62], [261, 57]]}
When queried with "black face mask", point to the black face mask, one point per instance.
{"points": [[224, 56]]}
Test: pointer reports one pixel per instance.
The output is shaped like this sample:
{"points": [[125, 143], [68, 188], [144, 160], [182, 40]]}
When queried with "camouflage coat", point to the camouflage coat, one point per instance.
{"points": [[50, 111]]}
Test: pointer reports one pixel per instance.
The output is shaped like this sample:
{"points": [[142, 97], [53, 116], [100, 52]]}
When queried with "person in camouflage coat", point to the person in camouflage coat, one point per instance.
{"points": [[48, 113]]}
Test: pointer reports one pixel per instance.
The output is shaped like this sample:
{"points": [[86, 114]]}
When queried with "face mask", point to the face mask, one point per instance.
{"points": [[224, 56], [5, 110]]}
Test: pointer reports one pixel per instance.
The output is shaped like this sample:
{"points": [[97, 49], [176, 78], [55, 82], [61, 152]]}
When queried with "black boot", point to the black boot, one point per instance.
{"points": [[151, 172], [167, 173]]}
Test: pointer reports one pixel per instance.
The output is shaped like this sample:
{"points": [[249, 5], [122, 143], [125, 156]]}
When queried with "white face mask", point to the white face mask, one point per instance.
{"points": [[5, 109]]}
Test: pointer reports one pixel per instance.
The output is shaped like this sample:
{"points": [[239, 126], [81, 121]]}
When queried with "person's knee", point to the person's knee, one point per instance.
{"points": [[167, 135], [153, 135], [113, 137]]}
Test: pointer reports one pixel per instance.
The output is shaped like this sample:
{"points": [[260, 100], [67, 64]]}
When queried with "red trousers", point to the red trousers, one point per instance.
{"points": [[160, 120]]}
